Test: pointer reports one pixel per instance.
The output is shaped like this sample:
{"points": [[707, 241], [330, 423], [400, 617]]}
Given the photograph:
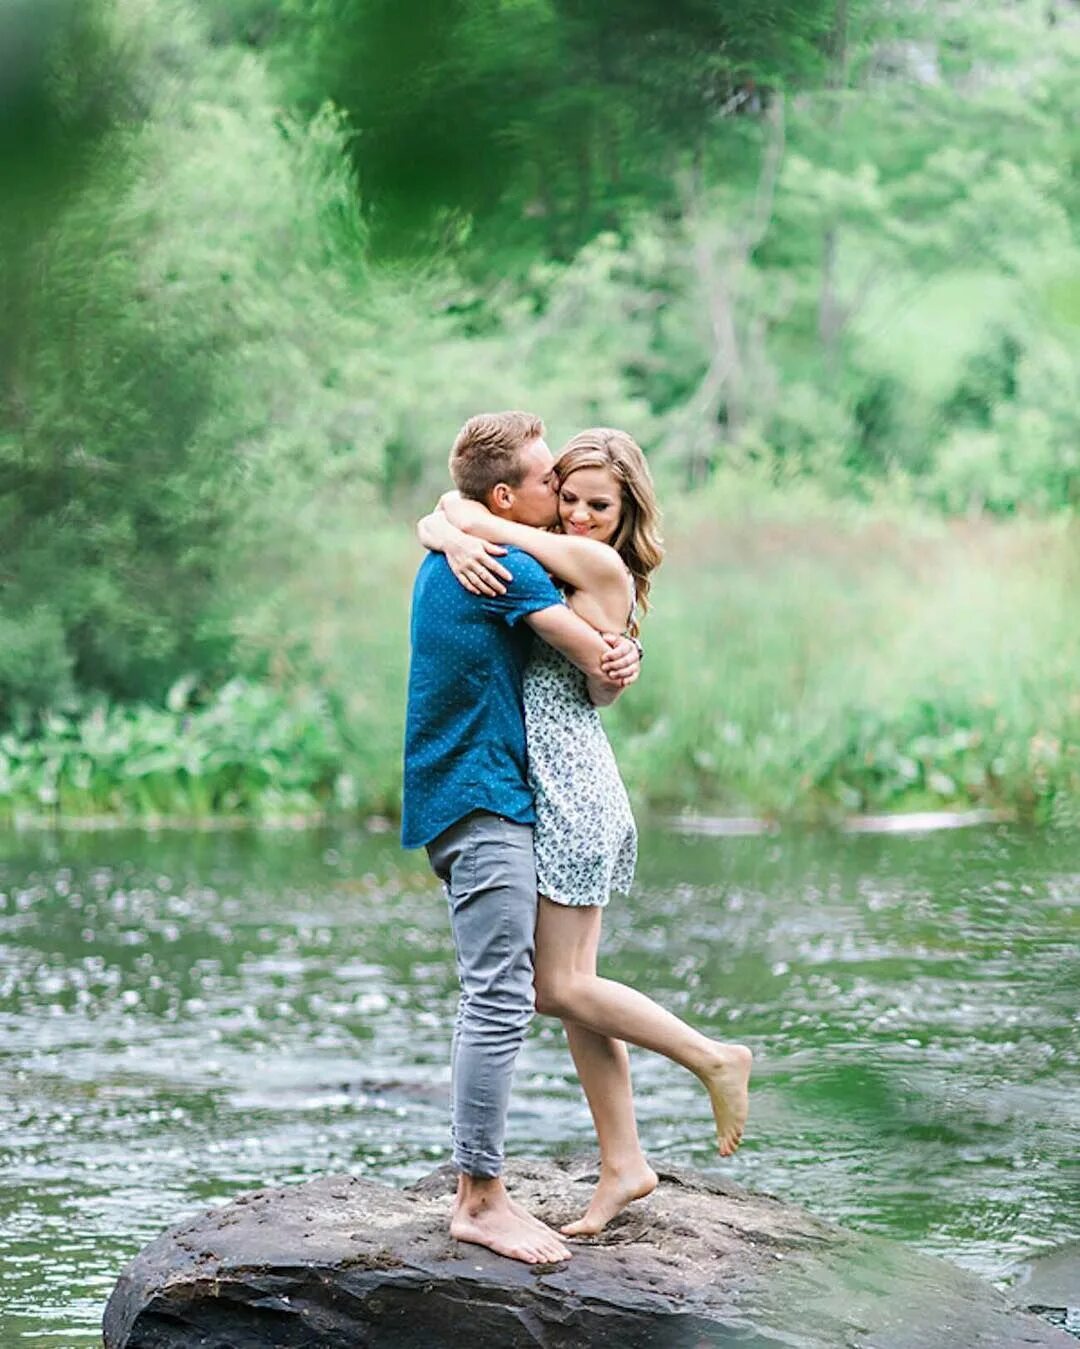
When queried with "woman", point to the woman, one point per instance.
{"points": [[585, 838]]}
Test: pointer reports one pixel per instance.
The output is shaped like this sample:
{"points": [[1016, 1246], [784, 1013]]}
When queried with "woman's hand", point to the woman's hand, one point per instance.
{"points": [[471, 561], [621, 663], [463, 513]]}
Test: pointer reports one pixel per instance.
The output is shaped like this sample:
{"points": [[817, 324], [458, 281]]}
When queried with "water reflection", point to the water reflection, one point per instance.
{"points": [[188, 1016]]}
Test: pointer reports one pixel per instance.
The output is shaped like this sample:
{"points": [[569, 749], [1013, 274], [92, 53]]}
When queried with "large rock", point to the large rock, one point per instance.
{"points": [[1049, 1283], [341, 1263]]}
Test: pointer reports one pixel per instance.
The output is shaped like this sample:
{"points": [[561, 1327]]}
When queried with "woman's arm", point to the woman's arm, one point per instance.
{"points": [[471, 560], [595, 572], [609, 663]]}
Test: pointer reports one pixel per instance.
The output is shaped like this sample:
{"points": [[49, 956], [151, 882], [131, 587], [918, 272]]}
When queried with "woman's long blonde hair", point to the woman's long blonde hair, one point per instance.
{"points": [[637, 539]]}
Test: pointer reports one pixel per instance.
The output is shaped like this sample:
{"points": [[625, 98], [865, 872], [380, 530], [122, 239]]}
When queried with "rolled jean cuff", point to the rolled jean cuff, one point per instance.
{"points": [[485, 1165]]}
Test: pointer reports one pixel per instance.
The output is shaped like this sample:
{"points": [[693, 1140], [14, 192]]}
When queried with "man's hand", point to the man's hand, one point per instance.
{"points": [[621, 663]]}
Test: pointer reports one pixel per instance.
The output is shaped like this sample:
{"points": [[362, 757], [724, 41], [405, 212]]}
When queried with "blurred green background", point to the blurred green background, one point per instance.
{"points": [[258, 260]]}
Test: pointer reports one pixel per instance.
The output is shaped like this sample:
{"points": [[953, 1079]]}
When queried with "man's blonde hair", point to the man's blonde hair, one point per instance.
{"points": [[488, 450]]}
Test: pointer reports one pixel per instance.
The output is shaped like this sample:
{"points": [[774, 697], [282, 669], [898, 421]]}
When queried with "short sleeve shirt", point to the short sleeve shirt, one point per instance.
{"points": [[464, 725]]}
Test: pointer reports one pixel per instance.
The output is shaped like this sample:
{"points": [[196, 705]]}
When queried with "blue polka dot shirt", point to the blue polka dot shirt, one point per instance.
{"points": [[465, 726]]}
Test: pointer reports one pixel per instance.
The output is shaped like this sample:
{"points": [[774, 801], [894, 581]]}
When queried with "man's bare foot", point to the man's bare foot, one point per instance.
{"points": [[615, 1190], [519, 1209], [522, 1212], [485, 1215], [727, 1079]]}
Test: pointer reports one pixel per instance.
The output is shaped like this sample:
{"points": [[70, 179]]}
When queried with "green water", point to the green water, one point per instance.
{"points": [[183, 1017]]}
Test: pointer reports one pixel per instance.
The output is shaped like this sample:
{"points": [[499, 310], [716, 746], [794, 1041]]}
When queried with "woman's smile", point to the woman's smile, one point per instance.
{"points": [[590, 503]]}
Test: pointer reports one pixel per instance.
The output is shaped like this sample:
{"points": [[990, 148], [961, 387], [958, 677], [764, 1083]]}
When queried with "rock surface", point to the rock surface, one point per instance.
{"points": [[341, 1262], [1049, 1284]]}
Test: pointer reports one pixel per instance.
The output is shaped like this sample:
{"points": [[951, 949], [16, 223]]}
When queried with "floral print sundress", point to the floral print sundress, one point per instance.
{"points": [[585, 837]]}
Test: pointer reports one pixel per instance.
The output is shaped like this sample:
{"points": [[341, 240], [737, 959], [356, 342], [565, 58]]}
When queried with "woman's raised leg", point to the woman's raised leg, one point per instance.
{"points": [[603, 1068], [567, 986]]}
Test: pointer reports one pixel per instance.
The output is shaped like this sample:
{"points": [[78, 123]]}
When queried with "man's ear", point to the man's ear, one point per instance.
{"points": [[502, 498]]}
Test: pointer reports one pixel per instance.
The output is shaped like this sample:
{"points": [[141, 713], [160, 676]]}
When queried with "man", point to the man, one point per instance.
{"points": [[467, 800]]}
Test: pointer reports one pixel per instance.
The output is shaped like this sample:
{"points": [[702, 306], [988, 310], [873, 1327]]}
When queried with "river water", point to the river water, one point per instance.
{"points": [[187, 1016]]}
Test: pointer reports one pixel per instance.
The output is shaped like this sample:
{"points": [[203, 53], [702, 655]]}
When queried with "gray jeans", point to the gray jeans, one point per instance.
{"points": [[487, 866]]}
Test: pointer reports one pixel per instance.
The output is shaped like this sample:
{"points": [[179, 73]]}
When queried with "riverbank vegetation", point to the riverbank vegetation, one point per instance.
{"points": [[945, 677], [822, 260]]}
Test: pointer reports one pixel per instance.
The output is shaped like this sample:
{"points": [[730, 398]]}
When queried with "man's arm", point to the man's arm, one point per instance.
{"points": [[586, 648]]}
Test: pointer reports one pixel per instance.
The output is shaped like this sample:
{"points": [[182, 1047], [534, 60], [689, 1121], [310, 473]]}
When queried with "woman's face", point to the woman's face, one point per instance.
{"points": [[590, 503]]}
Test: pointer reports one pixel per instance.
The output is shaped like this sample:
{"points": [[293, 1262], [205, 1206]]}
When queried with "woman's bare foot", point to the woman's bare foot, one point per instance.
{"points": [[615, 1190], [485, 1215], [727, 1079]]}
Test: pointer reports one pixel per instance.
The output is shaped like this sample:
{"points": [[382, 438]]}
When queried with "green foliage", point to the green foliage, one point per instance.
{"points": [[179, 346], [65, 84], [35, 667], [828, 266], [774, 683], [250, 751], [532, 126], [801, 665]]}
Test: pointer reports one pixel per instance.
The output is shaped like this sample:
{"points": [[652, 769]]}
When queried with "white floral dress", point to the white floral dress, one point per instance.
{"points": [[585, 837]]}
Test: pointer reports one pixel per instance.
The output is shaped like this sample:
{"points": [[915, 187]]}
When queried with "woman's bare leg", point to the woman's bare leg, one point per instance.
{"points": [[603, 1068], [568, 987]]}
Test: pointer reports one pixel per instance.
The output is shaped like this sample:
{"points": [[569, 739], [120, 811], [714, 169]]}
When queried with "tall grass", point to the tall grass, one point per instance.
{"points": [[812, 666]]}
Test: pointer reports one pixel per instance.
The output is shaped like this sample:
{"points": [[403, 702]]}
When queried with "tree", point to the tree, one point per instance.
{"points": [[536, 122]]}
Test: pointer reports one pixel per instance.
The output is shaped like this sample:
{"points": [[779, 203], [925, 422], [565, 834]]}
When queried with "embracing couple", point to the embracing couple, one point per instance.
{"points": [[524, 621]]}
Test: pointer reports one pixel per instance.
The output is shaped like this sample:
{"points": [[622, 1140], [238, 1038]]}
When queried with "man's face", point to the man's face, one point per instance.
{"points": [[535, 500]]}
